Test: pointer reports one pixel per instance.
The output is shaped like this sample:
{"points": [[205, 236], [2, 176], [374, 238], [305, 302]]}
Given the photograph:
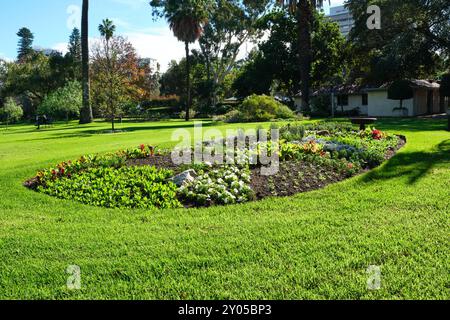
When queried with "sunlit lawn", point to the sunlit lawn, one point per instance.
{"points": [[316, 245]]}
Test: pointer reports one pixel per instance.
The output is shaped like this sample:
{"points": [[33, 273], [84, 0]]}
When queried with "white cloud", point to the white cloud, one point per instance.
{"points": [[61, 47], [4, 57], [160, 45]]}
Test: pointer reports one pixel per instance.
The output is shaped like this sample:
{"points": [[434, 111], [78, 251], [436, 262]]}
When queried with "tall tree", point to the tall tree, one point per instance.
{"points": [[122, 78], [232, 24], [11, 111], [86, 112], [75, 45], [72, 60], [445, 93], [107, 29], [25, 43], [186, 19], [304, 12], [274, 67]]}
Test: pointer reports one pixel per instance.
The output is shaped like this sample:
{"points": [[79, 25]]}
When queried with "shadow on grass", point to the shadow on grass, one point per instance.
{"points": [[415, 165], [54, 134]]}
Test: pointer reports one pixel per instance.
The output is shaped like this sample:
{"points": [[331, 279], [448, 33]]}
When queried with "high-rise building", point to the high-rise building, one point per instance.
{"points": [[152, 63], [344, 18]]}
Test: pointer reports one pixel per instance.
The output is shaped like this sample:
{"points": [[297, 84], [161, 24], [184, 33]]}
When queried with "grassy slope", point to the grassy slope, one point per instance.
{"points": [[316, 245]]}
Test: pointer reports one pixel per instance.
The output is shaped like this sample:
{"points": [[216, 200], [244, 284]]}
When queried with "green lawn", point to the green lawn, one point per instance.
{"points": [[316, 245]]}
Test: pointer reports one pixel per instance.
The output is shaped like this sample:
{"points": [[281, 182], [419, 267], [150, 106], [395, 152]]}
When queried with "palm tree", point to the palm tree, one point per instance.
{"points": [[186, 20], [107, 29], [86, 111], [304, 12]]}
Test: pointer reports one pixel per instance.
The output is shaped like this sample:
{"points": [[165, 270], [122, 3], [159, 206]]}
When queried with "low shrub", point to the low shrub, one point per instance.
{"points": [[233, 116], [172, 102], [259, 108]]}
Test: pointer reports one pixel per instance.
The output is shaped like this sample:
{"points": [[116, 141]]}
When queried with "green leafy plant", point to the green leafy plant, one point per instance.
{"points": [[260, 108], [293, 132], [63, 102], [11, 111], [127, 187]]}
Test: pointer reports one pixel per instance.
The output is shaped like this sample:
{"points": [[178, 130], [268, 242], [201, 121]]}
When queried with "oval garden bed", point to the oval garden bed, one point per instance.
{"points": [[310, 157]]}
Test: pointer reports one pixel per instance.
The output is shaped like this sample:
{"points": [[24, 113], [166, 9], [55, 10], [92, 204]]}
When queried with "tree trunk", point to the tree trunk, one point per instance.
{"points": [[86, 111], [188, 82], [211, 86], [113, 125], [448, 112], [304, 22]]}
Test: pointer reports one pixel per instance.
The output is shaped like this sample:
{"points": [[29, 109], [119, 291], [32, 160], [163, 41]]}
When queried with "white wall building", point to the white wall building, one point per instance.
{"points": [[344, 18], [374, 102]]}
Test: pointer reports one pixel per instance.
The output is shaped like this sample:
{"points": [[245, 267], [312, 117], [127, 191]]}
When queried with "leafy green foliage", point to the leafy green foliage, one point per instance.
{"points": [[275, 66], [408, 45], [105, 180], [259, 109], [231, 24], [63, 102], [11, 112], [25, 43], [293, 132], [127, 187]]}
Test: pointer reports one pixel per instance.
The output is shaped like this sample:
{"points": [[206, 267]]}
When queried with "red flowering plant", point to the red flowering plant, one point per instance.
{"points": [[142, 152], [374, 134], [377, 134]]}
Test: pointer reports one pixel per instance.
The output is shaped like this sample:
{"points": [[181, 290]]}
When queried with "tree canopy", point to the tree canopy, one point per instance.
{"points": [[64, 102], [274, 66], [413, 41], [25, 44], [11, 111]]}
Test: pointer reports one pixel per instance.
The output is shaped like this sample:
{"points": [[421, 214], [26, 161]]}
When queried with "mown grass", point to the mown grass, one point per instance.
{"points": [[316, 245]]}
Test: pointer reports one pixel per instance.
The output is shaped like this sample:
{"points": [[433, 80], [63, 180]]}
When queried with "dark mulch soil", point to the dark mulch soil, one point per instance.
{"points": [[293, 177], [159, 161]]}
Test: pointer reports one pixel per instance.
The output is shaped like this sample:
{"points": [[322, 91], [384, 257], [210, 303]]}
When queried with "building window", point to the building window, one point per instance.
{"points": [[365, 99], [343, 100]]}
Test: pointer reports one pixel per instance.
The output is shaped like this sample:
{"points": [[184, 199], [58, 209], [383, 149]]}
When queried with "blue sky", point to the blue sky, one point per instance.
{"points": [[51, 22]]}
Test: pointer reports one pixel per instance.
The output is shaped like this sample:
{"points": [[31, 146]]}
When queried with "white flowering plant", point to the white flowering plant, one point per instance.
{"points": [[226, 184]]}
